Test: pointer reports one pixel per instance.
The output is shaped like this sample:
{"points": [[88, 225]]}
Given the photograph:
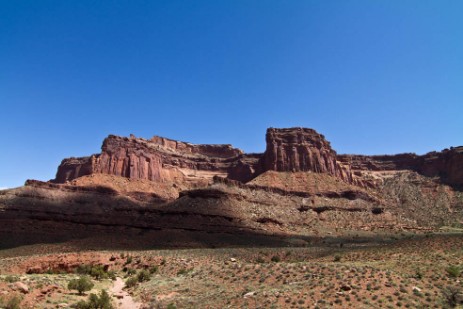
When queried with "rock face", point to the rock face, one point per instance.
{"points": [[301, 150], [72, 168], [403, 161], [298, 186], [157, 159], [245, 168], [288, 150], [447, 165]]}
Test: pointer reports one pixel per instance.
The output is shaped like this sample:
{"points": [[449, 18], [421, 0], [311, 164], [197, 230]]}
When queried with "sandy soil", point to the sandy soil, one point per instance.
{"points": [[124, 300]]}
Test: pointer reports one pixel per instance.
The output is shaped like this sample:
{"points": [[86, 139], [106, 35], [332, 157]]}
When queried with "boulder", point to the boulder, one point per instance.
{"points": [[23, 288]]}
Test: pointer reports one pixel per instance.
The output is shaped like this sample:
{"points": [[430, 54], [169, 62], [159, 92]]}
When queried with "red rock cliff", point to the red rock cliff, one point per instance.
{"points": [[447, 164], [288, 150], [301, 150], [156, 159], [72, 168]]}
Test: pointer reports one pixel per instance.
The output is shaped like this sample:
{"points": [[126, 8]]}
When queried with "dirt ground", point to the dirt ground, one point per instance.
{"points": [[421, 271]]}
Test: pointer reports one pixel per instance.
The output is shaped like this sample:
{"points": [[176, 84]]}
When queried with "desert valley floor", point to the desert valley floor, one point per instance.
{"points": [[402, 271]]}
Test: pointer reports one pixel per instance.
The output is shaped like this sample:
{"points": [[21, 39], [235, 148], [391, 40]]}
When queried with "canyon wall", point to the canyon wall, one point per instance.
{"points": [[447, 165], [157, 159], [301, 150], [72, 168], [287, 150]]}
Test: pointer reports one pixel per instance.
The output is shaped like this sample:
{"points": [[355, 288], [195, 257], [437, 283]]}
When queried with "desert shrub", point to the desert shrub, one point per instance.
{"points": [[153, 269], [453, 296], [171, 306], [81, 285], [183, 271], [96, 271], [11, 303], [337, 258], [11, 279], [131, 282], [418, 274], [275, 259], [103, 301], [111, 275], [453, 271], [128, 260], [143, 275], [50, 271]]}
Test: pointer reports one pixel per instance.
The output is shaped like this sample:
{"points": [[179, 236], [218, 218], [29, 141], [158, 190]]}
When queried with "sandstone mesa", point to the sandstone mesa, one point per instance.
{"points": [[287, 150], [162, 192]]}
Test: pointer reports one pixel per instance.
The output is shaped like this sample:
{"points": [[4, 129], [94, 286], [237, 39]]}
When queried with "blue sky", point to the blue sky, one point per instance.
{"points": [[374, 76]]}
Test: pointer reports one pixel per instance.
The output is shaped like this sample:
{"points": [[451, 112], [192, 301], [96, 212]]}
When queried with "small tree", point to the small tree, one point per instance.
{"points": [[81, 285], [105, 300]]}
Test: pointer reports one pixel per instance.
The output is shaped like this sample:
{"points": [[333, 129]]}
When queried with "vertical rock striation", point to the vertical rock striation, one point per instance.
{"points": [[301, 150], [157, 159], [287, 150]]}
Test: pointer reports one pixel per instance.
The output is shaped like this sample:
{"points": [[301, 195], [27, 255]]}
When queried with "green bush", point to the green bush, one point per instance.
{"points": [[81, 285], [153, 269], [275, 259], [96, 271], [171, 306], [418, 274], [129, 260], [452, 296], [183, 271], [103, 301], [11, 279], [131, 282], [143, 275], [453, 271]]}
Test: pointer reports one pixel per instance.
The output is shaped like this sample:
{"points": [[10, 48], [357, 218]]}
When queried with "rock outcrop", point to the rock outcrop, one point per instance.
{"points": [[299, 187], [288, 150], [157, 159], [72, 168], [405, 161], [447, 165], [301, 150]]}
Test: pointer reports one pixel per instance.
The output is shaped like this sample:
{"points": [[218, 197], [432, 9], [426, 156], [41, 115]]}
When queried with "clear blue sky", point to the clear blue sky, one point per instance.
{"points": [[374, 76]]}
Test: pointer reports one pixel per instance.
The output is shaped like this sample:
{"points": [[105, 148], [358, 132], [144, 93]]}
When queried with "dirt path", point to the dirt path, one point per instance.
{"points": [[122, 298]]}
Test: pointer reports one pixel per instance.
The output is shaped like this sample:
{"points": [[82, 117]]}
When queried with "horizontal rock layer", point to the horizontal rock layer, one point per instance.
{"points": [[288, 150], [157, 159], [301, 150], [446, 165]]}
